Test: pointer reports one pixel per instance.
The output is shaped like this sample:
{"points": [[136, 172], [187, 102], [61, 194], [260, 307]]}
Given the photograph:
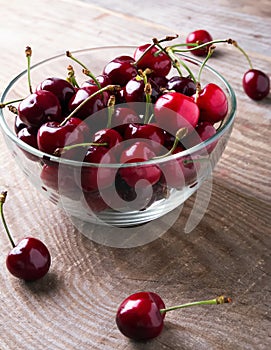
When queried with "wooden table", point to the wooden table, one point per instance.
{"points": [[74, 306]]}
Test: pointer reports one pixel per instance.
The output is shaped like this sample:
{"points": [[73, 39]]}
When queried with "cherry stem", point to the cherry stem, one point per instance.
{"points": [[71, 76], [210, 52], [181, 133], [3, 105], [196, 46], [234, 43], [111, 107], [85, 69], [3, 196], [106, 88], [61, 150], [28, 53], [219, 300]]}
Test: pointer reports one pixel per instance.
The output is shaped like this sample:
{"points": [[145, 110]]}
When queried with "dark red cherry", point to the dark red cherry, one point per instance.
{"points": [[199, 37], [256, 84], [29, 259], [53, 135], [139, 151], [120, 70], [94, 105], [94, 178], [29, 136], [94, 202], [39, 107], [184, 85], [160, 65], [123, 116], [213, 104], [139, 317], [174, 111], [109, 136], [61, 88], [18, 124], [152, 134]]}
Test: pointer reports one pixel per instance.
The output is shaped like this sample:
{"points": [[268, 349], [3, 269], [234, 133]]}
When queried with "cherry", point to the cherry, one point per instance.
{"points": [[53, 135], [94, 178], [120, 70], [212, 102], [174, 111], [92, 106], [199, 37], [61, 88], [109, 136], [256, 84], [141, 315], [29, 136], [160, 64], [139, 152], [29, 259], [184, 85], [39, 107], [18, 124], [152, 134], [123, 116], [102, 79]]}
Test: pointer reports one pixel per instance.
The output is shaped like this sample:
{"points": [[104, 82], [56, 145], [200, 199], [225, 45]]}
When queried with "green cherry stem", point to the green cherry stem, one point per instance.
{"points": [[219, 300], [3, 196], [85, 69], [28, 53], [176, 62], [196, 47], [61, 150], [234, 43], [181, 133], [106, 88], [3, 105], [71, 76]]}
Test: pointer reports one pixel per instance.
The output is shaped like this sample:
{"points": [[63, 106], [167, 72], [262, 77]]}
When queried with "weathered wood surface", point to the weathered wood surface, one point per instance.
{"points": [[228, 252]]}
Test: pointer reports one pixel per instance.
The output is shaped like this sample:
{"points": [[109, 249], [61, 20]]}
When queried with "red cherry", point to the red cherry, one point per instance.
{"points": [[151, 133], [123, 116], [102, 79], [53, 135], [139, 152], [184, 85], [139, 317], [39, 107], [29, 259], [203, 132], [93, 178], [120, 70], [61, 88], [213, 104], [256, 84], [174, 111], [160, 65], [109, 136], [200, 36], [29, 136]]}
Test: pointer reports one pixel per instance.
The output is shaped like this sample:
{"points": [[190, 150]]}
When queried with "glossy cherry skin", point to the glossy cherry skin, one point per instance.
{"points": [[200, 36], [120, 70], [29, 136], [29, 259], [213, 104], [18, 124], [94, 105], [174, 111], [61, 88], [150, 133], [139, 151], [94, 178], [52, 135], [184, 85], [39, 107], [103, 80], [256, 84], [138, 316], [109, 136], [123, 116], [160, 65]]}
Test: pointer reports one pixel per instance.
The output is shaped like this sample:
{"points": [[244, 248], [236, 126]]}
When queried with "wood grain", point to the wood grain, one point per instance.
{"points": [[74, 306]]}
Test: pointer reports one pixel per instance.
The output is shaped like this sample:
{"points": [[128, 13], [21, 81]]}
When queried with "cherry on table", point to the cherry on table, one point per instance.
{"points": [[29, 259], [141, 315], [256, 84]]}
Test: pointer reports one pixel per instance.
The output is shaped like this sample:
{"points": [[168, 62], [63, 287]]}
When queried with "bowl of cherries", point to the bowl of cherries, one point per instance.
{"points": [[119, 135]]}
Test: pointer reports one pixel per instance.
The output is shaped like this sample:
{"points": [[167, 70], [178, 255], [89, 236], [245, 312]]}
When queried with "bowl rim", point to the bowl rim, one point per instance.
{"points": [[61, 160]]}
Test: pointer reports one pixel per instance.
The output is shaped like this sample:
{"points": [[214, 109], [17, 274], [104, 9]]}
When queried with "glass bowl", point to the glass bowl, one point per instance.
{"points": [[117, 204]]}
